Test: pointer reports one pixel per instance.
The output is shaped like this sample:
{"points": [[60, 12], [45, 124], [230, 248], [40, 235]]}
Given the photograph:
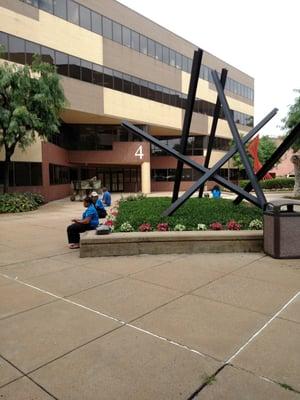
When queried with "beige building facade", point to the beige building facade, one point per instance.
{"points": [[116, 65]]}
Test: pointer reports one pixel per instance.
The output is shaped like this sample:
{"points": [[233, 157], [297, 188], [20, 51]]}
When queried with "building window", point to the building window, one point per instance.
{"points": [[159, 52], [85, 17], [74, 67], [23, 174], [117, 33], [16, 50], [59, 175], [73, 12], [96, 23], [107, 28], [86, 71], [126, 36], [135, 41], [97, 74], [172, 58], [4, 44], [47, 55], [178, 58], [143, 44], [151, 48], [31, 50], [166, 55], [61, 61], [46, 5], [60, 8]]}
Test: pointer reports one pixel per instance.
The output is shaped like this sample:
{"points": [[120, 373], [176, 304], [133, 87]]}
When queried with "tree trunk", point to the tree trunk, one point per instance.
{"points": [[6, 173], [296, 161]]}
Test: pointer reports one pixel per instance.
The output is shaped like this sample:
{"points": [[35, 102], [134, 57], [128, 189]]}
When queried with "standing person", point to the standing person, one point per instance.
{"points": [[89, 221], [98, 205], [216, 192], [106, 198]]}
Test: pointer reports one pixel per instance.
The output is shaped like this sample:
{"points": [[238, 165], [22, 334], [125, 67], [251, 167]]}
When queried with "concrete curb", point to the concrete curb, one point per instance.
{"points": [[134, 243]]}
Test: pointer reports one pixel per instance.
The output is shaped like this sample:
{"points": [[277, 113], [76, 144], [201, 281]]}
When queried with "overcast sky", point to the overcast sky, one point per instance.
{"points": [[260, 37]]}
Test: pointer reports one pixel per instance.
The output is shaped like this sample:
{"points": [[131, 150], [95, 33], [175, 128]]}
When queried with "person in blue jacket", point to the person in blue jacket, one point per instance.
{"points": [[89, 221], [106, 198], [98, 205], [216, 192]]}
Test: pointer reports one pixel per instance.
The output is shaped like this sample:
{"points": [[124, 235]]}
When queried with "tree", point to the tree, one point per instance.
{"points": [[290, 121], [31, 99]]}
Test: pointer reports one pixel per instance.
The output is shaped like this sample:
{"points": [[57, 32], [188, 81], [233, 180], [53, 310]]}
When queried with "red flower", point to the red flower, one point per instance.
{"points": [[216, 226], [163, 227], [145, 228], [108, 222], [232, 225]]}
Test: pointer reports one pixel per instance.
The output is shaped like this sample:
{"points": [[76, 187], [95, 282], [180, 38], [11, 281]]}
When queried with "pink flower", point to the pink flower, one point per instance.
{"points": [[145, 228], [108, 222], [232, 225], [216, 226], [163, 227]]}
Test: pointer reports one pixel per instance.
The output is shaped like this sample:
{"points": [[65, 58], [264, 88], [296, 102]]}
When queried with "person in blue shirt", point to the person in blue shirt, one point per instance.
{"points": [[98, 205], [106, 198], [89, 221], [216, 192]]}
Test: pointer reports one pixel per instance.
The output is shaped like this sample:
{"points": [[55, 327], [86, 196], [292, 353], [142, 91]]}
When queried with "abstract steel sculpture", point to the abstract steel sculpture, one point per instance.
{"points": [[239, 146]]}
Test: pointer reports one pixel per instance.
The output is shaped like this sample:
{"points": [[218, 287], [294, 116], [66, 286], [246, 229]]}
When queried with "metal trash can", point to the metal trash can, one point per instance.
{"points": [[282, 229]]}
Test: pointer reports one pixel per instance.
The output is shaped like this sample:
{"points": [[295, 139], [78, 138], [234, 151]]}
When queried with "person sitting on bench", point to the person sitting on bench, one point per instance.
{"points": [[89, 221], [98, 205], [106, 198]]}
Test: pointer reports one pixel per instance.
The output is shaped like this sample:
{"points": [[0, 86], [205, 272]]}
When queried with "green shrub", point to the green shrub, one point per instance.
{"points": [[276, 183], [193, 212], [19, 202]]}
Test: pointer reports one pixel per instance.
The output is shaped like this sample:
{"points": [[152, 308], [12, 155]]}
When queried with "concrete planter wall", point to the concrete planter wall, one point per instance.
{"points": [[133, 243]]}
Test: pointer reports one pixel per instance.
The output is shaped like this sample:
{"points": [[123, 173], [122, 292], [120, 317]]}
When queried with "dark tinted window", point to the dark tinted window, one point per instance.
{"points": [[166, 55], [73, 12], [135, 41], [31, 50], [136, 89], [98, 74], [17, 50], [107, 27], [108, 78], [3, 45], [36, 174], [61, 61], [144, 88], [46, 5], [74, 67], [126, 36], [96, 23], [143, 44], [127, 82], [117, 33], [86, 71], [118, 81], [151, 48], [85, 17], [22, 173], [47, 55], [158, 52], [60, 8]]}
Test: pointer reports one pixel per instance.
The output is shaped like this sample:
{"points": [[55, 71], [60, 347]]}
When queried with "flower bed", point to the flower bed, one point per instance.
{"points": [[141, 214]]}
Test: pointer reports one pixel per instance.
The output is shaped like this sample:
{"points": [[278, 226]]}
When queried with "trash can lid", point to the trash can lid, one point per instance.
{"points": [[277, 204]]}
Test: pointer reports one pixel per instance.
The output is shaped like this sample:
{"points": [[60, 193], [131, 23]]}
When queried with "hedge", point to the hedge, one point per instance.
{"points": [[20, 202], [276, 183]]}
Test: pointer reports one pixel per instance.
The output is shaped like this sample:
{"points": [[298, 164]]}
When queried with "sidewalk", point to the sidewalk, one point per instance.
{"points": [[209, 326]]}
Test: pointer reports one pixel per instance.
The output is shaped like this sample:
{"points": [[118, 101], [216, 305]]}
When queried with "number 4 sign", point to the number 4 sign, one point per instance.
{"points": [[139, 152]]}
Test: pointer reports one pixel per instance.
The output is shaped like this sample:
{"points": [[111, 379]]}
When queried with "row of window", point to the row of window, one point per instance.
{"points": [[189, 174], [59, 174], [23, 173], [93, 21], [22, 51]]}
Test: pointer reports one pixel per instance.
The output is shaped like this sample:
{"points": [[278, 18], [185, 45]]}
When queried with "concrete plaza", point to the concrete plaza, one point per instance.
{"points": [[204, 326]]}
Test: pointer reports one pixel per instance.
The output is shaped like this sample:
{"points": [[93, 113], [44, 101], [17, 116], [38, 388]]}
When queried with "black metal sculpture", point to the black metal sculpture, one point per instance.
{"points": [[212, 173]]}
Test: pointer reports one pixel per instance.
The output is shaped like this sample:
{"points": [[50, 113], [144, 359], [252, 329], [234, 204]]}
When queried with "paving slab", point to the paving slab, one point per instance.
{"points": [[235, 384], [211, 327], [292, 312], [15, 298], [126, 364], [126, 298], [281, 272], [275, 353], [3, 280], [131, 264], [247, 293], [180, 275], [71, 280], [12, 256], [23, 389], [38, 336], [29, 269], [7, 373]]}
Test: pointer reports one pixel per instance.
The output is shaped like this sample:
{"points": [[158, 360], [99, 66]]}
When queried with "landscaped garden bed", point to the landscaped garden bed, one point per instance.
{"points": [[138, 213], [20, 202]]}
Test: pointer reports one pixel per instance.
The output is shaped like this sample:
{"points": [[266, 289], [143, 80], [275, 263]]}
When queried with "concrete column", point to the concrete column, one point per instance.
{"points": [[146, 177]]}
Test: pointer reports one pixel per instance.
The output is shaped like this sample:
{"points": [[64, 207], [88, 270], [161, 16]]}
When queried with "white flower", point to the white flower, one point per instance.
{"points": [[201, 227], [179, 227]]}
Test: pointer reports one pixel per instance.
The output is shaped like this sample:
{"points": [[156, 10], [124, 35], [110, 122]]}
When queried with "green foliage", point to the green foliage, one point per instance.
{"points": [[293, 118], [256, 224], [20, 202], [132, 197], [276, 183], [31, 99], [195, 211]]}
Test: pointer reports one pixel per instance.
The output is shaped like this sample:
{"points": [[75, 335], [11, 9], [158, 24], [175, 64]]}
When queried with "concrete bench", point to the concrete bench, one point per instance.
{"points": [[133, 243]]}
